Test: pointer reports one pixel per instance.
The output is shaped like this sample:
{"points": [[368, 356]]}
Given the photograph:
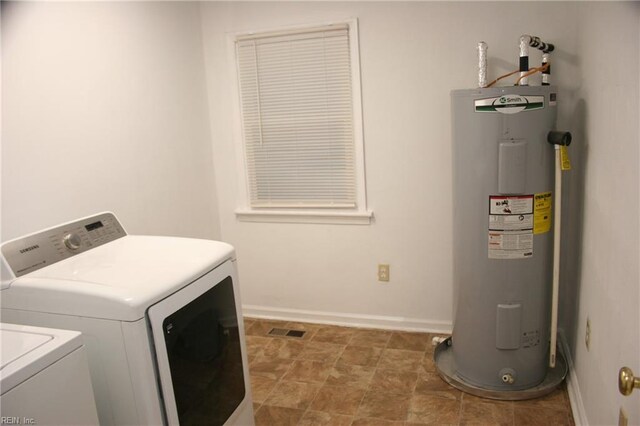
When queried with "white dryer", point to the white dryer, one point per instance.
{"points": [[44, 377], [160, 317]]}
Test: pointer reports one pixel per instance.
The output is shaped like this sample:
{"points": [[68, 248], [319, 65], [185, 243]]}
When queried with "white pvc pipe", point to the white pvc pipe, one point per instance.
{"points": [[557, 213], [436, 340]]}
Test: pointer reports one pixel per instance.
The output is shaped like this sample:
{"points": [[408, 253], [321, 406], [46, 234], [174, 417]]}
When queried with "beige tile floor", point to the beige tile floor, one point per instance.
{"points": [[354, 376]]}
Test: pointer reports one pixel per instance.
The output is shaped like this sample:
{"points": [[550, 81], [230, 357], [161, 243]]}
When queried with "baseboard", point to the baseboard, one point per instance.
{"points": [[573, 388], [351, 320]]}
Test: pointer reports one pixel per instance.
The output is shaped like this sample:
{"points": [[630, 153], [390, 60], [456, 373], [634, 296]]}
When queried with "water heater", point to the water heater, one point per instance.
{"points": [[503, 243]]}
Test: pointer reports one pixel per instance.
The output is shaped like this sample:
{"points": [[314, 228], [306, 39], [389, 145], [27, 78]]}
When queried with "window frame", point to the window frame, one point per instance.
{"points": [[359, 214]]}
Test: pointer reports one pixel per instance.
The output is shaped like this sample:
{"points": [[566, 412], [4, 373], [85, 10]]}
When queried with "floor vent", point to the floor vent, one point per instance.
{"points": [[287, 333]]}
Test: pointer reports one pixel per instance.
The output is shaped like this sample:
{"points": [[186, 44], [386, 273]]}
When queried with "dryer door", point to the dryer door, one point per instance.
{"points": [[199, 351]]}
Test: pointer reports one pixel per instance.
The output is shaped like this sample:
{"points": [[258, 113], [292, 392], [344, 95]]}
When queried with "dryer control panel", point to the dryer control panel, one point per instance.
{"points": [[44, 248]]}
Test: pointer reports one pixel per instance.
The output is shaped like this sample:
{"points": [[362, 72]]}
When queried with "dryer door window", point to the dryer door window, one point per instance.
{"points": [[202, 353]]}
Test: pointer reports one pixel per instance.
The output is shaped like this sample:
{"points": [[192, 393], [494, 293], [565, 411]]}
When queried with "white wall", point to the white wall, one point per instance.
{"points": [[104, 108], [412, 55], [606, 284]]}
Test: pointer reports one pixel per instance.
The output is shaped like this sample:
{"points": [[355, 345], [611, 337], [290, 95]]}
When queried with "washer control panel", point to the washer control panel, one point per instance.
{"points": [[44, 248]]}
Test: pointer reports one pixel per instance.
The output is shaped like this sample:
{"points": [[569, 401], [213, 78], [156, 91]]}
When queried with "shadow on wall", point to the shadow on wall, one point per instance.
{"points": [[572, 226]]}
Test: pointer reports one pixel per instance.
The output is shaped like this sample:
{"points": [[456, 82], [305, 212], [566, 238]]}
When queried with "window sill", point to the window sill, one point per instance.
{"points": [[307, 216]]}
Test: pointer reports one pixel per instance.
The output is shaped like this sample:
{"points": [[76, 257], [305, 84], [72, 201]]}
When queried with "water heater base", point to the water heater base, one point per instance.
{"points": [[443, 357]]}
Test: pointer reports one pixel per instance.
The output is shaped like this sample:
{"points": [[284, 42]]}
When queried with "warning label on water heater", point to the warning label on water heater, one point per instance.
{"points": [[510, 227], [542, 213]]}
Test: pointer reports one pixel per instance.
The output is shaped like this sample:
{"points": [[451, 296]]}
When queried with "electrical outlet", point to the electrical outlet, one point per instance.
{"points": [[383, 272], [623, 420], [587, 334]]}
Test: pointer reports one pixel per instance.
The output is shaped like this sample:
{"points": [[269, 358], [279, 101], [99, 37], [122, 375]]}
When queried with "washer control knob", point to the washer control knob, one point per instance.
{"points": [[72, 241]]}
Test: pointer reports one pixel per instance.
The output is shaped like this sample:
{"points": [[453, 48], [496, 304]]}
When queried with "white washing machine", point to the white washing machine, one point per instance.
{"points": [[160, 317], [44, 377]]}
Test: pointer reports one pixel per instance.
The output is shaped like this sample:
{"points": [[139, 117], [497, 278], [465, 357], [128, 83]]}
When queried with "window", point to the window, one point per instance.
{"points": [[301, 123]]}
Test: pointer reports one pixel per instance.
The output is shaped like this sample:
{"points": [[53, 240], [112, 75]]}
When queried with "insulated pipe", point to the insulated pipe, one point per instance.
{"points": [[482, 64], [533, 41], [524, 59], [541, 45], [557, 139], [546, 73]]}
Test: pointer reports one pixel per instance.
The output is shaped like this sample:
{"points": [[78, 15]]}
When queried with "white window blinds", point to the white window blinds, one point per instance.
{"points": [[297, 115]]}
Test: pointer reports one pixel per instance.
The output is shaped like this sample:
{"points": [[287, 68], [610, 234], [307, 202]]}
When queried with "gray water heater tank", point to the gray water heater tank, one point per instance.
{"points": [[503, 178]]}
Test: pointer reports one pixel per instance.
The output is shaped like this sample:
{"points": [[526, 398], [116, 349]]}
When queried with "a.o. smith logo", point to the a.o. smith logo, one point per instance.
{"points": [[509, 104], [30, 248], [511, 100]]}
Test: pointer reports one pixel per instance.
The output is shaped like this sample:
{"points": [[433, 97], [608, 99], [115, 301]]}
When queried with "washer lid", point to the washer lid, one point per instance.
{"points": [[16, 344], [118, 280], [28, 350]]}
